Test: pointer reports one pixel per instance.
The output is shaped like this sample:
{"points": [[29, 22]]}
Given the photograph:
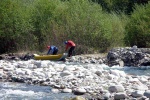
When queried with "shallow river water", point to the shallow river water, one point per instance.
{"points": [[21, 91]]}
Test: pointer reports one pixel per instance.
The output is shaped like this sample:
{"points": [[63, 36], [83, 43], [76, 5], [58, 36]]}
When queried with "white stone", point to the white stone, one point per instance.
{"points": [[132, 80], [20, 64], [140, 87], [65, 73], [111, 77], [19, 72], [69, 68], [38, 64], [1, 73], [51, 68], [80, 90], [115, 72], [107, 96], [55, 90], [48, 74], [44, 64], [31, 66], [66, 90], [143, 80], [8, 69], [28, 72]]}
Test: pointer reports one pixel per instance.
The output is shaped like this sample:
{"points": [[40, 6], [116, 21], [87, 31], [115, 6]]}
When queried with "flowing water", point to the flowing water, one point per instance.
{"points": [[21, 91]]}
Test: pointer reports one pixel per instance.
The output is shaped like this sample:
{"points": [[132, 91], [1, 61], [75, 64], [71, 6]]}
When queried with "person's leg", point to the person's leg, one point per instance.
{"points": [[55, 51], [71, 51]]}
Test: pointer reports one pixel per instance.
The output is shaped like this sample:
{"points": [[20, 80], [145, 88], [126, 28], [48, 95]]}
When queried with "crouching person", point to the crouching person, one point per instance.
{"points": [[52, 50]]}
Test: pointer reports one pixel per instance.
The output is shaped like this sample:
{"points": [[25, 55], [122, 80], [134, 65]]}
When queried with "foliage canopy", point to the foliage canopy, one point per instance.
{"points": [[92, 24]]}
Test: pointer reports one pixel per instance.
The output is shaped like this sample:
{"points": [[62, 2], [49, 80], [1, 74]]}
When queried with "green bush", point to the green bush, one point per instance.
{"points": [[33, 24], [138, 28], [15, 25]]}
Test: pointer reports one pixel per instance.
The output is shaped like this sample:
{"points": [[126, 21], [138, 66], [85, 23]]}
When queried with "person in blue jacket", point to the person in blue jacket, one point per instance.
{"points": [[52, 50]]}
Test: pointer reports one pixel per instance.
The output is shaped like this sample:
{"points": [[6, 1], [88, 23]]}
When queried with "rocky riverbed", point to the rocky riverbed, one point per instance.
{"points": [[88, 76]]}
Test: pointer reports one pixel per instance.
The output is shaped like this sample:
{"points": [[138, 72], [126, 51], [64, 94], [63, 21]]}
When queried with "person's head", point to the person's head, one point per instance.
{"points": [[48, 47], [66, 42]]}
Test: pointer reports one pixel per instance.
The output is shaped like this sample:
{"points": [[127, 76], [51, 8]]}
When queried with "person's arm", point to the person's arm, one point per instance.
{"points": [[48, 51], [66, 47], [52, 50]]}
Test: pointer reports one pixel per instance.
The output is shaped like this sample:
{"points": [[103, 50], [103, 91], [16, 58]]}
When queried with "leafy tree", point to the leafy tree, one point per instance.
{"points": [[138, 28], [42, 16], [126, 6], [15, 27], [54, 21]]}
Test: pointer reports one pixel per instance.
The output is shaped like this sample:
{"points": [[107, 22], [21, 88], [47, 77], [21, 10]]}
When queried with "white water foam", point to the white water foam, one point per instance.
{"points": [[17, 92]]}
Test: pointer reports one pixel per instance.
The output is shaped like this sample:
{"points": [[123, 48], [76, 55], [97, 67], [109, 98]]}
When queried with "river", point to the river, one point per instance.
{"points": [[21, 91]]}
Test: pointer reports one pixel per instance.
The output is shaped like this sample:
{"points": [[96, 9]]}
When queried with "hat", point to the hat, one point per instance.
{"points": [[66, 42]]}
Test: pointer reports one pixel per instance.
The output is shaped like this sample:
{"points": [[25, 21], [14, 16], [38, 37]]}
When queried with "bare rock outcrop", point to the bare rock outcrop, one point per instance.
{"points": [[130, 56]]}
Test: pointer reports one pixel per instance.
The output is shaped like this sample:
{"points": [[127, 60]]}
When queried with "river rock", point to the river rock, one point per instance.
{"points": [[130, 56], [99, 73], [55, 90], [147, 94], [79, 91], [120, 96], [116, 88], [65, 73], [66, 90], [78, 98], [137, 93], [107, 95]]}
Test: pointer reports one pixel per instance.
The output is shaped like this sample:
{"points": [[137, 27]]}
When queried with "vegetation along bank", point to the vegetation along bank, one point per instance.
{"points": [[94, 25]]}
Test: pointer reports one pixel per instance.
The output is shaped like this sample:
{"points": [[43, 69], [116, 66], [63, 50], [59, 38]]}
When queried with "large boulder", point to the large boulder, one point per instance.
{"points": [[131, 56]]}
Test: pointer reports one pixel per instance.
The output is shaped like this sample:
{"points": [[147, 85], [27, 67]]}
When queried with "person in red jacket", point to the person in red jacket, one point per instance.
{"points": [[72, 46]]}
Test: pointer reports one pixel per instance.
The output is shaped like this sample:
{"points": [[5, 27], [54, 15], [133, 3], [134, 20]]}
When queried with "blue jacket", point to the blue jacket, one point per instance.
{"points": [[52, 49]]}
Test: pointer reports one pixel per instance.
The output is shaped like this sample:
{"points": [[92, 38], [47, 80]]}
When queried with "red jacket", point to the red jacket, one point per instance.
{"points": [[70, 44]]}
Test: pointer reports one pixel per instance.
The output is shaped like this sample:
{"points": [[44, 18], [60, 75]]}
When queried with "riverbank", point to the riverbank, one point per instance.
{"points": [[85, 75], [97, 81]]}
